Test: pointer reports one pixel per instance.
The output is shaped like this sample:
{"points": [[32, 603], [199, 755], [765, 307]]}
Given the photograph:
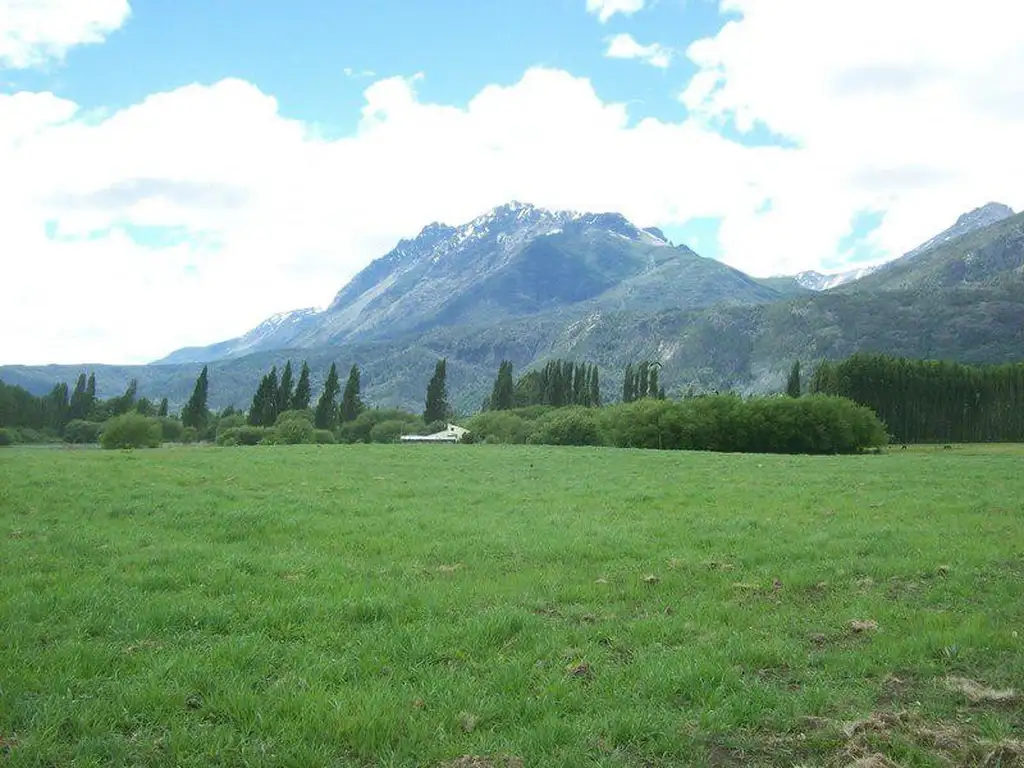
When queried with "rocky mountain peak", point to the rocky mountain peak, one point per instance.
{"points": [[990, 213]]}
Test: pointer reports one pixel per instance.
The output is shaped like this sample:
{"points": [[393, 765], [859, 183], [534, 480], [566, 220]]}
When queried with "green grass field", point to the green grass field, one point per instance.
{"points": [[416, 605]]}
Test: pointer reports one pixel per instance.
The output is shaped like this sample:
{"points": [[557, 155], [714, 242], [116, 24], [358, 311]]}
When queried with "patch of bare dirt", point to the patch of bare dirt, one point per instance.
{"points": [[863, 626], [479, 761], [976, 693]]}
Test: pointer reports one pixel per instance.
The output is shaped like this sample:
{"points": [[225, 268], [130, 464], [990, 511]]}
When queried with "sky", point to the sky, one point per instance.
{"points": [[172, 172]]}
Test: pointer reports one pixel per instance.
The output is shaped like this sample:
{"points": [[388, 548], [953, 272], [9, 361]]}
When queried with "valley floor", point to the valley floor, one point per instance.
{"points": [[417, 605]]}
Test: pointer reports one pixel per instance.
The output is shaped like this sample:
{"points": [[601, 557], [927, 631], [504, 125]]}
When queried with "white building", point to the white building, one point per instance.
{"points": [[452, 434]]}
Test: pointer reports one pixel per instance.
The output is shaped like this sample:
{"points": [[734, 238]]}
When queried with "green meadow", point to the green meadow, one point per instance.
{"points": [[482, 606]]}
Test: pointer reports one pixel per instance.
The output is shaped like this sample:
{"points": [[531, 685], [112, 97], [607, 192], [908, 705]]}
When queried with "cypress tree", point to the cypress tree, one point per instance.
{"points": [[643, 380], [351, 404], [628, 380], [595, 388], [503, 392], [652, 383], [284, 389], [437, 394], [326, 416], [793, 384], [162, 410], [195, 413], [79, 407], [303, 392], [268, 417]]}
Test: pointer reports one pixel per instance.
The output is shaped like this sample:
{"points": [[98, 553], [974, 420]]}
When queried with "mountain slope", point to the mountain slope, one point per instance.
{"points": [[982, 257], [513, 262]]}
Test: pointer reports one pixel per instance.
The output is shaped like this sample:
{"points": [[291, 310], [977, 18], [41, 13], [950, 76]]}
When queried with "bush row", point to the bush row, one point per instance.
{"points": [[816, 425]]}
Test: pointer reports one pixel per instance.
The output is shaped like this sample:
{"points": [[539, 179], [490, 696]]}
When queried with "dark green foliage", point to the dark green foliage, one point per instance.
{"points": [[244, 435], [559, 383], [6, 437], [389, 431], [131, 430], [437, 408], [641, 382], [145, 407], [568, 426], [285, 389], [506, 427], [793, 383], [263, 411], [172, 429], [303, 393], [595, 387], [927, 401], [324, 437], [82, 402], [326, 416], [351, 404], [19, 408], [196, 412], [360, 430], [503, 396], [57, 408], [79, 431], [629, 384], [296, 430], [190, 435], [163, 409], [224, 423], [815, 425]]}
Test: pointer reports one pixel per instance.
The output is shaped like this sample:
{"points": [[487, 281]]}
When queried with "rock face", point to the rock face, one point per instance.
{"points": [[512, 262]]}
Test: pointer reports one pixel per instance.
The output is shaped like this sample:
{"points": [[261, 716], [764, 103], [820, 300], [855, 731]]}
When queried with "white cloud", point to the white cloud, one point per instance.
{"points": [[244, 213], [913, 109], [625, 46], [33, 32], [605, 9]]}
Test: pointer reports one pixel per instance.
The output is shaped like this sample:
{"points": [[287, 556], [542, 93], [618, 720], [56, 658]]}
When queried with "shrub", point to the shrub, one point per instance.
{"points": [[190, 435], [79, 431], [506, 427], [285, 416], [568, 426], [244, 435], [232, 421], [359, 431], [813, 424], [172, 430], [323, 437], [6, 437], [295, 431], [389, 431], [271, 437], [131, 430], [30, 436]]}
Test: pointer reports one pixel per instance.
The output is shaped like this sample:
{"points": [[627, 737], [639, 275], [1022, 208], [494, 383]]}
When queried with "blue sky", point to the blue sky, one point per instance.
{"points": [[254, 155]]}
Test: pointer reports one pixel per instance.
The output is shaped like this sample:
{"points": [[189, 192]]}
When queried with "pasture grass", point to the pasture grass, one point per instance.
{"points": [[531, 606]]}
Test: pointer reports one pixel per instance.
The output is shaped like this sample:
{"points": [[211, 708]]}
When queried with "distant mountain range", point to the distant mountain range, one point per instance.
{"points": [[528, 284]]}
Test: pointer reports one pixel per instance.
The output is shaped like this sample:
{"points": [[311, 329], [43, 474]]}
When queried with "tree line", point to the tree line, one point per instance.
{"points": [[931, 401]]}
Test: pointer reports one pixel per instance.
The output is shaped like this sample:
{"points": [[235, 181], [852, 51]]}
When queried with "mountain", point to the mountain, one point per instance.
{"points": [[982, 256], [962, 298], [817, 281], [512, 262], [979, 218]]}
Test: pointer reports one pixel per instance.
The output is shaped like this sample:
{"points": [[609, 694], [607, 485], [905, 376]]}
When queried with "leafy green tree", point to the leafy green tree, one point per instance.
{"points": [[326, 416], [81, 403], [145, 407], [196, 414], [285, 389], [131, 430], [437, 408], [793, 384], [503, 393], [595, 388], [303, 391], [351, 404], [162, 410]]}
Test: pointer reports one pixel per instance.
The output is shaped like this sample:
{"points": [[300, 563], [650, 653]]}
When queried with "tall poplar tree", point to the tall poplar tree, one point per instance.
{"points": [[284, 389], [303, 392], [793, 384], [326, 416], [196, 414], [351, 404], [436, 407]]}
